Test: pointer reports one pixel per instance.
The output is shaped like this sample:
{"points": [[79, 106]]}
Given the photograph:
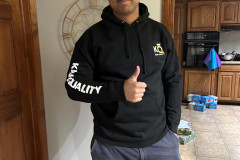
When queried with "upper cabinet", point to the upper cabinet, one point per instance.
{"points": [[203, 16], [230, 12]]}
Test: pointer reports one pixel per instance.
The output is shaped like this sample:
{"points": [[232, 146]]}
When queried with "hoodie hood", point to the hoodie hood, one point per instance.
{"points": [[143, 15], [107, 14]]}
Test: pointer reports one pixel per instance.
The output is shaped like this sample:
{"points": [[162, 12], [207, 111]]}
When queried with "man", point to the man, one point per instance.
{"points": [[127, 68]]}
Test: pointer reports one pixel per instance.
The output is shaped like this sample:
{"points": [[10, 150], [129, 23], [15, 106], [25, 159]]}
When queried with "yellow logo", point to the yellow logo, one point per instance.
{"points": [[158, 50]]}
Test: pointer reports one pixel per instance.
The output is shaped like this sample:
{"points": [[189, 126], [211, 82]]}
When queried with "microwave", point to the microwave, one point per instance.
{"points": [[196, 46]]}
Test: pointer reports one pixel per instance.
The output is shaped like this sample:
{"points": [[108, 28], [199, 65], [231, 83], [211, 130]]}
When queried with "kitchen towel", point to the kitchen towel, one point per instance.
{"points": [[212, 60]]}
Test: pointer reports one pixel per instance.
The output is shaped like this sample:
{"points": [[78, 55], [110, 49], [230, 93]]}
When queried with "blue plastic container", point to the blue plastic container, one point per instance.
{"points": [[215, 99], [196, 98], [207, 99], [212, 106], [200, 107]]}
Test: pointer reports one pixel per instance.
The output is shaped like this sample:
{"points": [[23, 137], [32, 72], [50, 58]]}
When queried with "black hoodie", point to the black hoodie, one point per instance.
{"points": [[105, 56]]}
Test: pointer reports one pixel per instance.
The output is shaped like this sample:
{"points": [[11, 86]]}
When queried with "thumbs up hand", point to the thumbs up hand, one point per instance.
{"points": [[134, 90]]}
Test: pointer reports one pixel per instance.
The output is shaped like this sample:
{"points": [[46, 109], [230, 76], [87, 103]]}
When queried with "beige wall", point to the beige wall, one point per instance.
{"points": [[69, 123], [155, 12]]}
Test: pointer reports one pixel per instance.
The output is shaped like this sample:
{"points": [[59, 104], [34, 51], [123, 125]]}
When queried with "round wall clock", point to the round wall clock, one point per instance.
{"points": [[79, 17]]}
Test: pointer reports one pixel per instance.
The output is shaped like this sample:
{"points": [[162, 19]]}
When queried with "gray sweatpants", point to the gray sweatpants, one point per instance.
{"points": [[165, 149]]}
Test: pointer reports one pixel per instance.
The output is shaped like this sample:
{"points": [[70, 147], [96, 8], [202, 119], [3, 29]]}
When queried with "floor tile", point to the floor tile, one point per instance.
{"points": [[222, 112], [185, 116], [202, 118], [238, 116], [223, 107], [203, 158], [234, 151], [227, 119], [209, 158], [208, 111], [205, 126], [235, 107], [208, 137], [217, 134], [229, 128], [184, 110], [236, 112], [211, 150], [219, 158], [189, 157], [231, 139], [188, 149]]}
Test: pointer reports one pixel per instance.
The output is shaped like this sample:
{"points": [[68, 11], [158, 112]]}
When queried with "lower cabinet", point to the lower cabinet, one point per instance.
{"points": [[237, 87], [229, 86], [200, 82], [224, 83]]}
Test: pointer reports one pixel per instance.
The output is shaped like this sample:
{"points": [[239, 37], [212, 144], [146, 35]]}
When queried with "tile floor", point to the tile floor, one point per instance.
{"points": [[217, 134]]}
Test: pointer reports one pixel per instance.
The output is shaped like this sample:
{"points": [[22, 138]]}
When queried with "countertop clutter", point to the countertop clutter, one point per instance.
{"points": [[234, 58], [229, 56]]}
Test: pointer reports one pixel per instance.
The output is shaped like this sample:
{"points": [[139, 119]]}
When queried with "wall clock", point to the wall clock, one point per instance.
{"points": [[80, 16]]}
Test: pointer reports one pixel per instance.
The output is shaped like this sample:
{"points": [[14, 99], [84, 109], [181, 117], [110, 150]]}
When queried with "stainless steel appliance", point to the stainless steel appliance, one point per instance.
{"points": [[196, 47]]}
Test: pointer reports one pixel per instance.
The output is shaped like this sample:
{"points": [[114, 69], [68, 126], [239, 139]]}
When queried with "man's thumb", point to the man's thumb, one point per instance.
{"points": [[136, 74]]}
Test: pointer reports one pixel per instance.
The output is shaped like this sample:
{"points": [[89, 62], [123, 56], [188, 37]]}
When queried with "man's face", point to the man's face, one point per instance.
{"points": [[124, 7]]}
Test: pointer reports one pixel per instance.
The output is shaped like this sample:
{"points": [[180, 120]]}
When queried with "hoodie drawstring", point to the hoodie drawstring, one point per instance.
{"points": [[126, 41], [140, 43], [141, 49]]}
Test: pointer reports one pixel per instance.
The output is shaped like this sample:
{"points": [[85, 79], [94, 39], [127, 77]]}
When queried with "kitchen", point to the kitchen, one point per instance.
{"points": [[206, 17], [210, 24]]}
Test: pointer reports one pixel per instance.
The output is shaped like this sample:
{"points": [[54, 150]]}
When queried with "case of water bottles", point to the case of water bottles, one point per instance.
{"points": [[200, 103], [200, 107]]}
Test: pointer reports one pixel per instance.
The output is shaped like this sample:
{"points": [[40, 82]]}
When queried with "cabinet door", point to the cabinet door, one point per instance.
{"points": [[237, 87], [199, 82], [179, 28], [178, 19], [238, 12], [203, 16], [226, 82], [229, 12], [177, 44]]}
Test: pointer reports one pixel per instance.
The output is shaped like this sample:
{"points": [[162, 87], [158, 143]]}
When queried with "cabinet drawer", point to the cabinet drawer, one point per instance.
{"points": [[230, 68]]}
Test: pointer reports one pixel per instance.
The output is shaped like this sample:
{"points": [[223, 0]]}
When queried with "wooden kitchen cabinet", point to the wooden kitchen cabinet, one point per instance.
{"points": [[238, 12], [230, 12], [200, 82], [203, 16], [226, 81], [229, 83], [237, 87], [180, 19]]}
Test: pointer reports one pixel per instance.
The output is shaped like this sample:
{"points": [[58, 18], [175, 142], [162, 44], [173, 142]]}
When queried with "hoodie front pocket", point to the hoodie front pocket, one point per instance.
{"points": [[119, 114]]}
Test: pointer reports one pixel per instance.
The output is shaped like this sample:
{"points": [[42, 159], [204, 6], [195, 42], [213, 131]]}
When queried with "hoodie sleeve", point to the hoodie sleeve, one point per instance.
{"points": [[172, 82], [79, 83]]}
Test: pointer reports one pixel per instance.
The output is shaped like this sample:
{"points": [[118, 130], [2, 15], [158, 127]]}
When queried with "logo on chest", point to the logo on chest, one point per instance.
{"points": [[158, 50]]}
